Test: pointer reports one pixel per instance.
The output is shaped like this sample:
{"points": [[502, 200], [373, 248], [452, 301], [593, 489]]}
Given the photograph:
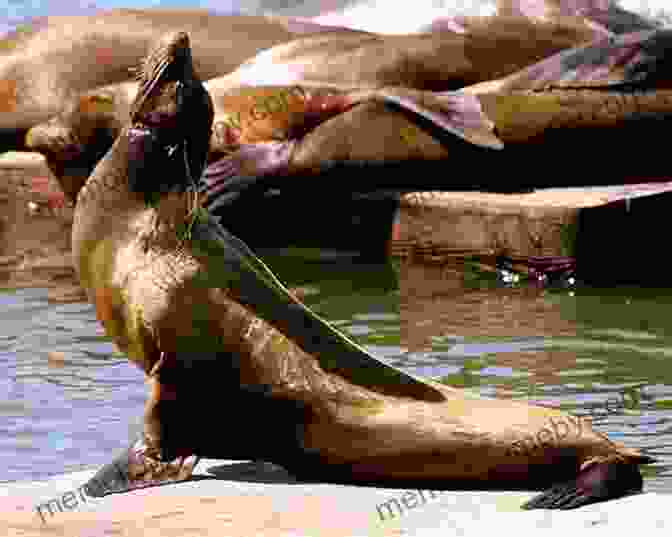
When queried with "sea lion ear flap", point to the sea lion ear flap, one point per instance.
{"points": [[455, 112]]}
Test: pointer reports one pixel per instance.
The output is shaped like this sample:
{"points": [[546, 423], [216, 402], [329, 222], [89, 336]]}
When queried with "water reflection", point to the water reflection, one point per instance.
{"points": [[68, 399], [602, 353]]}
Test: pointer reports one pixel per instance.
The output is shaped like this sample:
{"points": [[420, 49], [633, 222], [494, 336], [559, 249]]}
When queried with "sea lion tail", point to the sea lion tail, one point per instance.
{"points": [[600, 479]]}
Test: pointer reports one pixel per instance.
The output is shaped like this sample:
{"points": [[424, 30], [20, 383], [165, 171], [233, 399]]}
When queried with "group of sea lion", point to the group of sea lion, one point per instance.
{"points": [[342, 63], [212, 326]]}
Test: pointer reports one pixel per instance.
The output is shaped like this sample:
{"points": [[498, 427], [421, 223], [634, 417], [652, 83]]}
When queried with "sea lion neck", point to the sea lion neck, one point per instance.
{"points": [[109, 192], [137, 194]]}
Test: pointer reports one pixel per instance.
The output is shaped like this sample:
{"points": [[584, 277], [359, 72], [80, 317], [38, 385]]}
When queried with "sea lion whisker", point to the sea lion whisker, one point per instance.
{"points": [[148, 85]]}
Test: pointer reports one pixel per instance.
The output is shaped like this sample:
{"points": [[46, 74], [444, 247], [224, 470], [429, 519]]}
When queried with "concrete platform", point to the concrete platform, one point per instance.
{"points": [[234, 499], [606, 231]]}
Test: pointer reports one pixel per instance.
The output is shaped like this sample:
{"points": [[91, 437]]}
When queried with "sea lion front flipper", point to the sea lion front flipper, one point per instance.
{"points": [[599, 480], [233, 266], [224, 179], [455, 112], [133, 469]]}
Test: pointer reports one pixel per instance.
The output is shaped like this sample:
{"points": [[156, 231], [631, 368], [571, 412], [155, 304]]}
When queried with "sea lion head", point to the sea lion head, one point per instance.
{"points": [[171, 121], [75, 140]]}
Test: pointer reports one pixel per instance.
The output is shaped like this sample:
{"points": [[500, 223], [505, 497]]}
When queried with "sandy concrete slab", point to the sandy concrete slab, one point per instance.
{"points": [[243, 499], [585, 225], [22, 159]]}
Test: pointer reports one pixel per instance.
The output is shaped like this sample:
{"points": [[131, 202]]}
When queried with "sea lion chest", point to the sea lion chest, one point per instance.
{"points": [[153, 299], [106, 268]]}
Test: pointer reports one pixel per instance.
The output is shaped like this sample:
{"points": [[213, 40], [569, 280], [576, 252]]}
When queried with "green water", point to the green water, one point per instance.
{"points": [[599, 352]]}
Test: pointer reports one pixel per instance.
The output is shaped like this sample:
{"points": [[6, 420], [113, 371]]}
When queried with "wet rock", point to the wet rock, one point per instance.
{"points": [[35, 227]]}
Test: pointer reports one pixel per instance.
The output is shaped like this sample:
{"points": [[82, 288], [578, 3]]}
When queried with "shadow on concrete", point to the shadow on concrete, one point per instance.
{"points": [[252, 472], [268, 473]]}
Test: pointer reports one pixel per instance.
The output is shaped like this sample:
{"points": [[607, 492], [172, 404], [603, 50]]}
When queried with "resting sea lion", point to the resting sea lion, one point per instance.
{"points": [[63, 56], [595, 103], [76, 139], [434, 61], [602, 13], [210, 324], [601, 16]]}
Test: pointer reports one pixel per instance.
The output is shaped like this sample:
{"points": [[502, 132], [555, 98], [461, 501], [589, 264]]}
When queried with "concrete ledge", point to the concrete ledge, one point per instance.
{"points": [[607, 230], [23, 160], [231, 499]]}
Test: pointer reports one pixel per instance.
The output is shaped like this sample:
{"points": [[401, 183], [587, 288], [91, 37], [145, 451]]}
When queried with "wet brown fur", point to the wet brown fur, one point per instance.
{"points": [[169, 305], [68, 55]]}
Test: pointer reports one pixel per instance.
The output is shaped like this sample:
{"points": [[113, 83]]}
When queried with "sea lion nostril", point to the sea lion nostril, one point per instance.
{"points": [[178, 39]]}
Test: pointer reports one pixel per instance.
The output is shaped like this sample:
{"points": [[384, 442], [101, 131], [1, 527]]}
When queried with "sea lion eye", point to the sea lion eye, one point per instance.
{"points": [[182, 94], [179, 95]]}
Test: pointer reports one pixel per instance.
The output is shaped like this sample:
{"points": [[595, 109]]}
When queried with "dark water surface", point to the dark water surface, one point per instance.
{"points": [[68, 400]]}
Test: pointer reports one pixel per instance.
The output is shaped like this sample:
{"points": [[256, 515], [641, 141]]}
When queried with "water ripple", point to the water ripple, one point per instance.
{"points": [[69, 400]]}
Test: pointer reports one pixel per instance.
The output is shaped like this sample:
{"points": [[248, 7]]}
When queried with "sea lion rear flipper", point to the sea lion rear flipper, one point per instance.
{"points": [[601, 480], [234, 267]]}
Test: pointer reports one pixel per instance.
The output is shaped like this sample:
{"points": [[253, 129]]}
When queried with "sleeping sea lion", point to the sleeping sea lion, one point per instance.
{"points": [[595, 103], [73, 54], [76, 139], [601, 13], [601, 16], [209, 323], [64, 56], [434, 61]]}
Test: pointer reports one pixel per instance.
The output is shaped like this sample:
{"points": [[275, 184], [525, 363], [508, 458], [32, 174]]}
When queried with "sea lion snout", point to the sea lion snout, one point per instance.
{"points": [[174, 45], [178, 46], [178, 39]]}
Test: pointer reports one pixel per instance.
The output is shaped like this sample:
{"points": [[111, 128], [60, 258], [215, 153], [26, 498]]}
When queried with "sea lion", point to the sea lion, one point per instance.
{"points": [[76, 139], [601, 16], [63, 56], [612, 94], [192, 306], [434, 61], [601, 13]]}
